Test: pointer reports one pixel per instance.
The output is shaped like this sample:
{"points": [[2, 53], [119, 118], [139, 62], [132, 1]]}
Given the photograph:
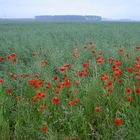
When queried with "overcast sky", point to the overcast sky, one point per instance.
{"points": [[105, 8]]}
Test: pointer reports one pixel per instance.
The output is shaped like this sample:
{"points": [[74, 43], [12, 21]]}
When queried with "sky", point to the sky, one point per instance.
{"points": [[115, 9]]}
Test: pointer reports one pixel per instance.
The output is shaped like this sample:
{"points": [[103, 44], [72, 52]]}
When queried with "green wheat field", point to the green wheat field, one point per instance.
{"points": [[69, 80]]}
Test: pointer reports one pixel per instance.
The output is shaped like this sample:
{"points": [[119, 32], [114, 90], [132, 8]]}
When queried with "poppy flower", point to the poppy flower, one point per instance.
{"points": [[56, 91], [74, 138], [76, 82], [67, 83], [137, 47], [100, 60], [35, 97], [58, 85], [14, 75], [92, 51], [67, 65], [20, 75], [55, 77], [108, 83], [137, 90], [13, 54], [47, 85], [104, 76], [127, 54], [43, 62], [55, 99], [85, 64], [110, 90], [127, 90], [1, 80], [44, 128], [66, 138], [36, 75], [40, 93], [39, 82], [14, 59], [121, 50], [42, 107], [8, 57], [73, 101], [97, 108], [129, 69], [120, 80], [62, 68], [85, 47], [118, 121], [1, 58], [100, 53], [116, 73], [90, 42], [9, 90], [129, 98]]}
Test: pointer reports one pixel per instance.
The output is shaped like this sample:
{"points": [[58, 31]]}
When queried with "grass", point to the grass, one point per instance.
{"points": [[83, 111]]}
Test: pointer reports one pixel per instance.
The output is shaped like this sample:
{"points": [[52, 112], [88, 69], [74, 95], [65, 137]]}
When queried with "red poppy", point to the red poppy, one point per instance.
{"points": [[43, 62], [97, 108], [85, 64], [100, 60], [137, 90], [90, 42], [1, 80], [73, 101], [129, 69], [1, 58], [104, 76], [55, 99], [100, 53], [121, 50], [44, 128], [58, 85], [108, 83], [8, 57], [9, 90], [55, 77], [127, 54], [20, 75], [76, 82], [56, 91], [118, 121], [62, 68], [129, 98], [67, 138], [42, 107], [13, 54], [92, 51], [127, 90], [85, 47], [14, 59], [74, 138], [67, 65]]}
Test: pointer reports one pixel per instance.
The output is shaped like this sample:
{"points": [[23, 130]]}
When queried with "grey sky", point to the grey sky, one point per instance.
{"points": [[105, 8]]}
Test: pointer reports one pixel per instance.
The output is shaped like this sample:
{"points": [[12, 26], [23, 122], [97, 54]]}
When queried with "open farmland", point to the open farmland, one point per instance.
{"points": [[69, 80]]}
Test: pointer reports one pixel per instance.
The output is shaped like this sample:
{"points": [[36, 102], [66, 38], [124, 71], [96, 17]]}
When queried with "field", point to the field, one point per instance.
{"points": [[69, 80]]}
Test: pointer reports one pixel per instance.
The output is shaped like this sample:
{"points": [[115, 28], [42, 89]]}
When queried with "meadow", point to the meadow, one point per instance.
{"points": [[69, 80]]}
